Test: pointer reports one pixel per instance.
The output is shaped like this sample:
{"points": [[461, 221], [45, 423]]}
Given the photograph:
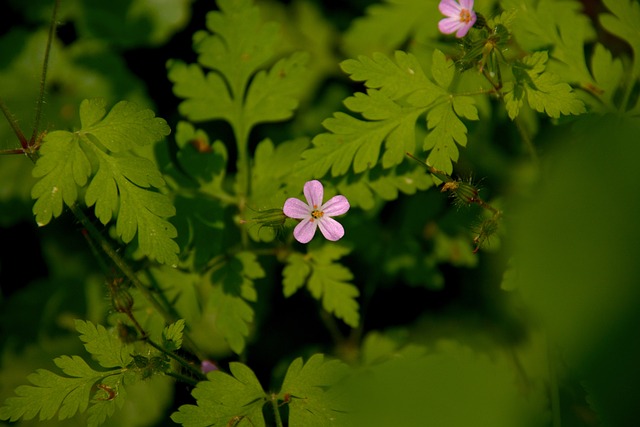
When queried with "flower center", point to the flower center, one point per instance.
{"points": [[316, 214], [465, 16]]}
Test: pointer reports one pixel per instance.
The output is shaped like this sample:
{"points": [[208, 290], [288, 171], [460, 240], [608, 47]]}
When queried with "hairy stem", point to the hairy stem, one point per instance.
{"points": [[45, 67], [128, 272], [24, 143]]}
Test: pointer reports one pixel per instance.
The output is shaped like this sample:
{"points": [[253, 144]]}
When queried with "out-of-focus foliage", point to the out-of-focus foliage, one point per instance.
{"points": [[509, 303]]}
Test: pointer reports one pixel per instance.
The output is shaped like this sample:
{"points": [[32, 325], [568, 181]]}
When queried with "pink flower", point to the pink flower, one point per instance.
{"points": [[314, 214], [459, 17]]}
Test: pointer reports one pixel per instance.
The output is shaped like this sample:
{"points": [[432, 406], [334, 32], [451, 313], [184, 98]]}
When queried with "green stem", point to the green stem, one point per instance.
{"points": [[128, 272], [180, 377], [43, 77], [244, 174], [276, 409], [119, 262], [185, 363], [15, 127]]}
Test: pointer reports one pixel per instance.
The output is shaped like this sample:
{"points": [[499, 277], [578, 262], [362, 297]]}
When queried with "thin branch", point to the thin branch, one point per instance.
{"points": [[43, 77]]}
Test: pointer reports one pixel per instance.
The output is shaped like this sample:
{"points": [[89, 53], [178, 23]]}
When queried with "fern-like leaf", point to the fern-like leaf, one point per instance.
{"points": [[122, 182]]}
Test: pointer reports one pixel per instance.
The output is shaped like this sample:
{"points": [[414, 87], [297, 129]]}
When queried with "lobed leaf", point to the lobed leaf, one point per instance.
{"points": [[560, 27], [120, 185], [104, 346], [313, 402], [327, 281], [172, 336], [399, 93], [273, 95], [544, 91], [121, 182], [225, 400], [232, 288], [63, 166], [623, 22], [125, 126], [390, 24], [52, 393]]}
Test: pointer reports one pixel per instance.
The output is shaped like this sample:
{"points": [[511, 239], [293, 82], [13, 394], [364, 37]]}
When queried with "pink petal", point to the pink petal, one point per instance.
{"points": [[330, 228], [465, 28], [305, 230], [449, 25], [467, 4], [336, 205], [314, 192], [295, 208], [449, 8]]}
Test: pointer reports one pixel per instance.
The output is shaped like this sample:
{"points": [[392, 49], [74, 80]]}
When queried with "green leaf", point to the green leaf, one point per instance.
{"points": [[232, 288], [394, 79], [399, 93], [225, 400], [272, 180], [52, 393], [389, 118], [273, 95], [120, 185], [623, 22], [122, 181], [238, 89], [390, 24], [125, 126], [312, 400], [544, 91], [295, 274], [327, 281], [560, 27], [204, 162], [607, 72], [104, 345], [172, 336], [385, 183], [63, 166], [445, 130]]}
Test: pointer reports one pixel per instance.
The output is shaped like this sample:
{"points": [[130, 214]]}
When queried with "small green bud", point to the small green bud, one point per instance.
{"points": [[121, 299]]}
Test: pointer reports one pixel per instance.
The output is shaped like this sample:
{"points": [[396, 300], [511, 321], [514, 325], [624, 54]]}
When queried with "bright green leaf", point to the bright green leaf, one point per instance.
{"points": [[124, 127], [52, 393], [120, 185], [105, 346], [273, 95], [446, 129], [63, 166]]}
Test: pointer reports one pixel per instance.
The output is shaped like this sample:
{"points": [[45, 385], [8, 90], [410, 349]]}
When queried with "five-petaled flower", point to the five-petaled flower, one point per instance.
{"points": [[460, 17], [314, 214]]}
